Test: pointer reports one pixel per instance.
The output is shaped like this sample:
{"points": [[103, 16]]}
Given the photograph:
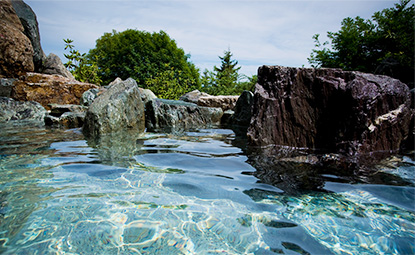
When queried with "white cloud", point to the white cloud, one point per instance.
{"points": [[257, 32]]}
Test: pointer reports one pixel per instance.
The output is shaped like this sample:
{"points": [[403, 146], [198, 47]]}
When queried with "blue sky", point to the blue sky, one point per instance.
{"points": [[258, 32]]}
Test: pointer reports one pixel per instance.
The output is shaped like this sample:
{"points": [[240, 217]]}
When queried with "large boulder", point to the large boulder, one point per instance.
{"points": [[53, 65], [47, 89], [31, 30], [328, 111], [118, 108], [224, 102], [16, 51], [14, 110], [172, 115]]}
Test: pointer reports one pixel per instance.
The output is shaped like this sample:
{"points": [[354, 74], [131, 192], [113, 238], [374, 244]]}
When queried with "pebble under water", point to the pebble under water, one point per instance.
{"points": [[188, 193]]}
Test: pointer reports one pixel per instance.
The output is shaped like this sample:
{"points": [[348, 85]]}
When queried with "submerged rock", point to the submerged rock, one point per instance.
{"points": [[49, 89], [328, 111], [118, 108], [14, 110], [172, 115]]}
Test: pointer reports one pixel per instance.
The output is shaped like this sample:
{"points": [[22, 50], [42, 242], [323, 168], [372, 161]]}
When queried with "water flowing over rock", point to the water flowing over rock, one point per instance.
{"points": [[48, 89], [16, 51], [53, 65], [118, 108], [224, 102], [328, 111], [171, 115], [14, 110], [31, 30]]}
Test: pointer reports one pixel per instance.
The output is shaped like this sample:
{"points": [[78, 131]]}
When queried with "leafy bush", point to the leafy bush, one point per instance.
{"points": [[383, 44], [82, 69], [152, 59]]}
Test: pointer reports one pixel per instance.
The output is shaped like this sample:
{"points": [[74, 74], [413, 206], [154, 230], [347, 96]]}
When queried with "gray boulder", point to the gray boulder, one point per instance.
{"points": [[118, 108], [14, 110], [172, 115], [89, 96], [6, 86], [193, 96], [53, 65], [31, 30], [147, 95], [69, 116]]}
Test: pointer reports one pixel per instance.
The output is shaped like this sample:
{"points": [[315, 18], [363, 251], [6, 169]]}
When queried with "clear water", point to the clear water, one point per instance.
{"points": [[192, 193]]}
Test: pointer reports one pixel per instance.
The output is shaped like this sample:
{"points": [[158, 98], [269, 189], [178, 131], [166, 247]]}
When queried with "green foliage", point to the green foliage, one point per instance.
{"points": [[82, 69], [383, 44], [170, 84], [152, 59], [226, 80]]}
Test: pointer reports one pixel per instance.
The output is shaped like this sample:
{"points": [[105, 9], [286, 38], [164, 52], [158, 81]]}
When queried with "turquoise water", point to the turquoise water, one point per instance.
{"points": [[193, 193]]}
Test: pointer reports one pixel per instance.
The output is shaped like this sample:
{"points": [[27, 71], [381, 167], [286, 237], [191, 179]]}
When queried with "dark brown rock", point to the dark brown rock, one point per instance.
{"points": [[328, 111], [16, 51], [31, 30], [49, 89]]}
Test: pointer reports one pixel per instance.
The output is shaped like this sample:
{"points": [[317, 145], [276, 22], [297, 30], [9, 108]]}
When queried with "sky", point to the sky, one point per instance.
{"points": [[257, 32]]}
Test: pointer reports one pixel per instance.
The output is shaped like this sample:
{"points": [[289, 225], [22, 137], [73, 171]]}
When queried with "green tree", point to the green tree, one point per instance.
{"points": [[82, 69], [224, 79], [149, 58], [383, 44]]}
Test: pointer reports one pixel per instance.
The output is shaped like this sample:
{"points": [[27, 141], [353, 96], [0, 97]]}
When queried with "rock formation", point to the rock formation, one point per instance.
{"points": [[243, 109], [48, 89], [193, 96], [16, 51], [328, 111], [53, 65], [31, 30], [118, 108], [171, 115], [224, 102], [13, 110]]}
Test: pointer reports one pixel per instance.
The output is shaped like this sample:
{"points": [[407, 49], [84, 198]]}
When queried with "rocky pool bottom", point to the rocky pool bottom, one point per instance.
{"points": [[192, 193]]}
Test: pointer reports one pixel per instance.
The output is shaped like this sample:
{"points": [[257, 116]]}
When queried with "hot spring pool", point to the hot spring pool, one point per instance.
{"points": [[192, 193]]}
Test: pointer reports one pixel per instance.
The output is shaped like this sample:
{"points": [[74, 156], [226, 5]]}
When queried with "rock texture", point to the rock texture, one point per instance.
{"points": [[171, 115], [243, 109], [31, 30], [6, 86], [69, 116], [224, 102], [14, 110], [117, 109], [328, 110], [53, 65], [16, 51], [47, 89], [193, 96]]}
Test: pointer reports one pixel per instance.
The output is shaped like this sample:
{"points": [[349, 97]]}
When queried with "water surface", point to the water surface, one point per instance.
{"points": [[189, 193]]}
